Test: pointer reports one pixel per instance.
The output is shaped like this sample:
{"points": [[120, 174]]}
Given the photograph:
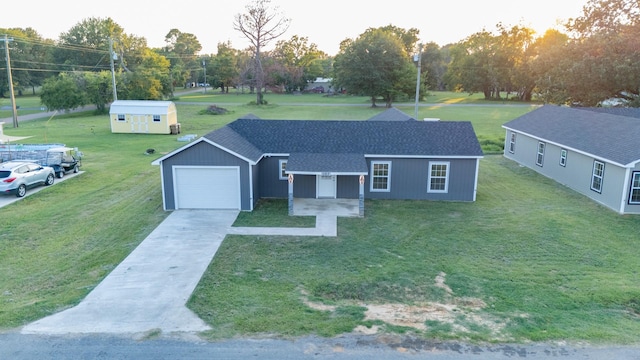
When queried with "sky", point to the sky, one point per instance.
{"points": [[325, 23]]}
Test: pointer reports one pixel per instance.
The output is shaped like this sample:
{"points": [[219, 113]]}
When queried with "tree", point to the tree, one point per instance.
{"points": [[63, 92], [150, 81], [299, 61], [605, 16], [182, 51], [98, 89], [86, 45], [550, 57], [376, 64], [225, 67], [260, 25], [30, 59], [433, 66]]}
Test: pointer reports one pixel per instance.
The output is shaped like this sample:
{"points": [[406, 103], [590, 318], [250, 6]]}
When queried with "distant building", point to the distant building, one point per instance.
{"points": [[144, 116]]}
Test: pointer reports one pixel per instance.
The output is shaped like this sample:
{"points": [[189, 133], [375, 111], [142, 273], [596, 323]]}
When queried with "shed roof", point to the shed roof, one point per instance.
{"points": [[602, 135], [141, 107]]}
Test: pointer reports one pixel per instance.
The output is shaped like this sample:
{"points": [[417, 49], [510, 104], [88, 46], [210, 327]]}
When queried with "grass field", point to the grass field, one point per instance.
{"points": [[530, 260]]}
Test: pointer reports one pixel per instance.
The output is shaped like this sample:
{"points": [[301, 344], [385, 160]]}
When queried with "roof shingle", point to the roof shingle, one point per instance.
{"points": [[603, 135]]}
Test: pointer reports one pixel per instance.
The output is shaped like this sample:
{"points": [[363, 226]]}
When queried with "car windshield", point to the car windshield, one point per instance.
{"points": [[4, 174]]}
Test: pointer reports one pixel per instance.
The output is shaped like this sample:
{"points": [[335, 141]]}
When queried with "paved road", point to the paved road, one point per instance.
{"points": [[18, 347]]}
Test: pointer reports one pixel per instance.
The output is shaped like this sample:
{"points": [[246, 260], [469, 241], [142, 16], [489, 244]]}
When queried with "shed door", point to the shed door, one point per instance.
{"points": [[207, 187]]}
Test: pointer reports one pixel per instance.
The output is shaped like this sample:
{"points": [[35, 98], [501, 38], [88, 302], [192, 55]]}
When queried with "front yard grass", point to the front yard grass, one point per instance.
{"points": [[529, 261]]}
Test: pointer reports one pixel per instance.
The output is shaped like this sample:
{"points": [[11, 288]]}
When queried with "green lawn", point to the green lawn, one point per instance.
{"points": [[536, 260], [546, 262]]}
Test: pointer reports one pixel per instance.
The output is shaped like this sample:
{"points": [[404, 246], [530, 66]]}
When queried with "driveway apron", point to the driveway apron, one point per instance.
{"points": [[149, 289]]}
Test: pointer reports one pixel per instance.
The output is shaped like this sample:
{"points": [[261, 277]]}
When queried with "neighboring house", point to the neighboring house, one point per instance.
{"points": [[144, 116], [589, 150], [320, 84], [249, 159]]}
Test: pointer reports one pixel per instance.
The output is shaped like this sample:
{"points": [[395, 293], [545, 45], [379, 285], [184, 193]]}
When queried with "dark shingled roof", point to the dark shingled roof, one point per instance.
{"points": [[391, 114], [340, 163], [605, 136], [428, 138], [630, 112]]}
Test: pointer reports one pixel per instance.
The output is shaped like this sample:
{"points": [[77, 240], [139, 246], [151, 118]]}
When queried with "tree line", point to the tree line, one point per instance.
{"points": [[597, 57]]}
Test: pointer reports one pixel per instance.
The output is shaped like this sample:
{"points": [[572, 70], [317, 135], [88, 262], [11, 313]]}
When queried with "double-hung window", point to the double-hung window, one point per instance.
{"points": [[597, 176], [438, 178], [156, 118], [512, 143], [540, 155], [634, 193], [563, 157], [282, 166], [380, 176], [121, 117]]}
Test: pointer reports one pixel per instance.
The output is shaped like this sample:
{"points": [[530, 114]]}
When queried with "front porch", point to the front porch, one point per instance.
{"points": [[319, 207]]}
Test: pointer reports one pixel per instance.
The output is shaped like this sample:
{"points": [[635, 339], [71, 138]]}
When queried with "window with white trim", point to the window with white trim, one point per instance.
{"points": [[438, 178], [512, 143], [634, 193], [597, 176], [121, 117], [563, 157], [380, 176], [540, 155], [156, 118], [282, 166]]}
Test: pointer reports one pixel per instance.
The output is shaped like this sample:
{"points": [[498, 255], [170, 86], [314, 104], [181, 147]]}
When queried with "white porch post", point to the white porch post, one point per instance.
{"points": [[361, 197], [290, 197]]}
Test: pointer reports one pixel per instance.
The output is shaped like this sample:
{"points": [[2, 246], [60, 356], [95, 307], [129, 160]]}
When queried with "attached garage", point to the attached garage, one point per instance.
{"points": [[206, 187]]}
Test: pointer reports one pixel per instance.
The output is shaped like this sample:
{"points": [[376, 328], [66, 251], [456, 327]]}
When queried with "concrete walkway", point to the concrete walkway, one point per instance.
{"points": [[148, 291]]}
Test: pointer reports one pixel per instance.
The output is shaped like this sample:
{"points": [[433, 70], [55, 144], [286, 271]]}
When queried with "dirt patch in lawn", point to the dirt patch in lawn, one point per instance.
{"points": [[459, 313]]}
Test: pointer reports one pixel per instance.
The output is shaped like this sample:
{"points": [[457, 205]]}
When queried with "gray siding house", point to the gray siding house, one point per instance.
{"points": [[248, 159], [592, 151]]}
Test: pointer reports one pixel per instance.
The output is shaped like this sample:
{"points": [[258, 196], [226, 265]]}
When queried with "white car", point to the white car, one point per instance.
{"points": [[18, 176]]}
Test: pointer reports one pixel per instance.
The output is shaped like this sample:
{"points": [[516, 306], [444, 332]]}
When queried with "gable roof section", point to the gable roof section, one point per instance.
{"points": [[140, 107], [391, 114], [609, 137], [408, 138]]}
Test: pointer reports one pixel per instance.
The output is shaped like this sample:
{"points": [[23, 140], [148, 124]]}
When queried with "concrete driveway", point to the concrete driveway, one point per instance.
{"points": [[149, 289]]}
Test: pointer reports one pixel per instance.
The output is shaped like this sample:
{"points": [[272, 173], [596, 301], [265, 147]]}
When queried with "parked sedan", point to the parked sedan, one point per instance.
{"points": [[18, 176]]}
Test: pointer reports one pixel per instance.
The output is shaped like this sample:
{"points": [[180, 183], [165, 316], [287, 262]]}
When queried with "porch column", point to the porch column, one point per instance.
{"points": [[361, 197], [290, 197]]}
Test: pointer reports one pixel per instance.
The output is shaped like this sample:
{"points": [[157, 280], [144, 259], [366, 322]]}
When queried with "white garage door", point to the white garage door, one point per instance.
{"points": [[205, 187]]}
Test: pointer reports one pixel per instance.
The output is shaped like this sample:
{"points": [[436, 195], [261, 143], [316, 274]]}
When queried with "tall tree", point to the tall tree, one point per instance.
{"points": [[85, 47], [300, 61], [260, 25], [182, 51], [224, 67], [376, 64], [30, 59], [605, 16]]}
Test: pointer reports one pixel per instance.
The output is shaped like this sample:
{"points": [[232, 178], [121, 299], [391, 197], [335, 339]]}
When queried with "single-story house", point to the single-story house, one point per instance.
{"points": [[591, 151], [144, 116], [248, 159]]}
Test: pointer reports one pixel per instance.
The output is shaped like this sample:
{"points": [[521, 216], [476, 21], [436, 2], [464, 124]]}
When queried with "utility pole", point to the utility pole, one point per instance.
{"points": [[10, 80], [204, 66], [112, 57], [418, 80]]}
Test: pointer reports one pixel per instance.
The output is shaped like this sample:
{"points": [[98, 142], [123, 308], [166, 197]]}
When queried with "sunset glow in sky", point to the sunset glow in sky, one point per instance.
{"points": [[325, 23]]}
